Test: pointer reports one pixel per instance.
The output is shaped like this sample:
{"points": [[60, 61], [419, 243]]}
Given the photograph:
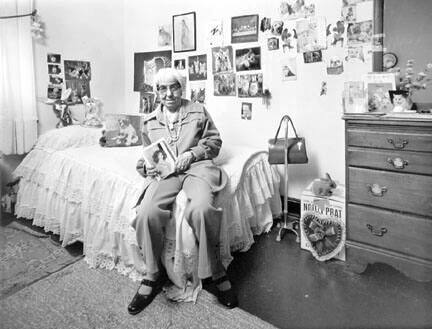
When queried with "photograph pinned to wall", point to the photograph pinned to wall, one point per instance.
{"points": [[146, 65], [77, 70], [146, 102], [246, 111], [197, 67], [222, 59], [354, 97], [378, 86], [265, 24], [334, 66], [180, 64], [215, 32], [164, 35], [184, 32], [348, 14], [312, 56], [273, 43], [54, 58], [248, 59], [244, 28], [354, 54], [54, 92], [79, 89], [197, 92], [55, 80], [289, 39], [359, 33], [54, 69], [250, 85], [289, 69], [335, 34], [224, 84], [160, 156], [295, 9], [122, 130], [311, 34], [277, 28]]}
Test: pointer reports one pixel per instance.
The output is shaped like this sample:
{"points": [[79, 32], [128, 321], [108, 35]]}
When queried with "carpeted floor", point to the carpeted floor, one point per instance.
{"points": [[80, 297], [24, 260]]}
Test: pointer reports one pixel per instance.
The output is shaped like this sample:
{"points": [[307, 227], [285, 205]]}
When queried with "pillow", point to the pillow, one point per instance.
{"points": [[67, 137], [122, 130]]}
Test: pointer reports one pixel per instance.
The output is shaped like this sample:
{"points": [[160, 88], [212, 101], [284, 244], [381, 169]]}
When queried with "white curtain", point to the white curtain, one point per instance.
{"points": [[18, 113]]}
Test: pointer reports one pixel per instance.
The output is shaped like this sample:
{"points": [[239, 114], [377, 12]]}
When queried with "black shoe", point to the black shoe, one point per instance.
{"points": [[226, 297], [140, 301]]}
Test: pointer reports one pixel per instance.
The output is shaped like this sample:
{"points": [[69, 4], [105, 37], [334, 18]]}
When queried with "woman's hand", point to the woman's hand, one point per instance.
{"points": [[184, 161]]}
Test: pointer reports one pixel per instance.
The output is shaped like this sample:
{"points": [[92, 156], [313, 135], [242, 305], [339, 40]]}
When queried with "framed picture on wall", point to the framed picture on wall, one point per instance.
{"points": [[184, 32], [244, 28]]}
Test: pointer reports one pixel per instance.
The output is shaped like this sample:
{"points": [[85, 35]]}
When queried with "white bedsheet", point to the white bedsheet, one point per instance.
{"points": [[88, 194]]}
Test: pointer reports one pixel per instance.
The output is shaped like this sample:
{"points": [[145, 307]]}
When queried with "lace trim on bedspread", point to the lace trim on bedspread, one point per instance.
{"points": [[102, 207]]}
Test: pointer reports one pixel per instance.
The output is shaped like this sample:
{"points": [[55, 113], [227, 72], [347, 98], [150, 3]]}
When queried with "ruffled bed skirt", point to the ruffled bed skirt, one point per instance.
{"points": [[72, 197]]}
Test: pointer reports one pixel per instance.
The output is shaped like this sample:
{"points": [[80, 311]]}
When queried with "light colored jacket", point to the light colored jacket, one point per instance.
{"points": [[198, 134]]}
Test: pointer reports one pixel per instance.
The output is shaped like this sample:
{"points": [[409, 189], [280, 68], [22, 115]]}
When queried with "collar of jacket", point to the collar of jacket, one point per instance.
{"points": [[184, 111]]}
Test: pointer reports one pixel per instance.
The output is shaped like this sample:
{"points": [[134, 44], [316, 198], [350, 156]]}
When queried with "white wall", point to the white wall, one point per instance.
{"points": [[82, 30], [318, 118]]}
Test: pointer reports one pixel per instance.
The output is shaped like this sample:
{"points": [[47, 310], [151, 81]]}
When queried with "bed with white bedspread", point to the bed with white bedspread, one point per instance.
{"points": [[85, 192]]}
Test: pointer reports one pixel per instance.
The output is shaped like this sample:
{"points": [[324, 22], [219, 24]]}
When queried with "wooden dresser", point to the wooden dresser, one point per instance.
{"points": [[389, 194]]}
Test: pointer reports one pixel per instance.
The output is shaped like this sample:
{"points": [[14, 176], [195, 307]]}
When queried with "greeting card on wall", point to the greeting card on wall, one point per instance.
{"points": [[198, 92], [222, 59], [164, 35], [246, 111], [224, 84], [359, 33], [54, 58], [335, 34], [215, 33], [334, 66], [250, 85], [378, 86], [197, 67], [294, 9], [248, 59], [146, 65], [122, 130], [244, 28], [289, 39], [77, 70], [184, 31], [311, 34]]}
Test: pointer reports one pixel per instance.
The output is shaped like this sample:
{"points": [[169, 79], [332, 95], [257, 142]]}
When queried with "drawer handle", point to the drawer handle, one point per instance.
{"points": [[398, 163], [376, 190], [398, 145], [377, 232]]}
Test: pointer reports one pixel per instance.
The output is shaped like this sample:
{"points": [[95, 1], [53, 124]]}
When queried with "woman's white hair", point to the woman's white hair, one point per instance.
{"points": [[169, 74]]}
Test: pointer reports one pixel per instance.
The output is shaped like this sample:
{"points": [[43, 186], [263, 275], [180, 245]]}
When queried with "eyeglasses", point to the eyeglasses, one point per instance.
{"points": [[173, 88]]}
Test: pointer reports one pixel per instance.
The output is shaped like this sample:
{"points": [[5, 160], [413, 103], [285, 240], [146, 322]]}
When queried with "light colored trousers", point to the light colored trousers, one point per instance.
{"points": [[156, 210]]}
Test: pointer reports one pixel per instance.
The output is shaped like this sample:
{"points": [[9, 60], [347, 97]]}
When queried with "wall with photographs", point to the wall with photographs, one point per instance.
{"points": [[316, 117], [82, 30]]}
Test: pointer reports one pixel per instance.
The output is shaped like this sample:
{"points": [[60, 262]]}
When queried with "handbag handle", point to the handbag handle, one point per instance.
{"points": [[285, 117]]}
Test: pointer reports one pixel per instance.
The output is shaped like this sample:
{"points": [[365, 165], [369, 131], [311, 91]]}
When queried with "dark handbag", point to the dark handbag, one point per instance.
{"points": [[294, 149]]}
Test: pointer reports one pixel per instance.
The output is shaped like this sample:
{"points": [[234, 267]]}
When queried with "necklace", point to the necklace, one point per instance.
{"points": [[172, 128]]}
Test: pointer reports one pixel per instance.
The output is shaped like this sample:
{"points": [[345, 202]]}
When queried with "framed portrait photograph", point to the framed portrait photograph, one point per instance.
{"points": [[184, 32], [244, 28], [160, 156], [246, 111]]}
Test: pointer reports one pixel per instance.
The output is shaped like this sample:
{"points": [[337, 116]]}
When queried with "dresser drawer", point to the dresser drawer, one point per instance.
{"points": [[405, 234], [401, 161], [391, 190], [392, 140]]}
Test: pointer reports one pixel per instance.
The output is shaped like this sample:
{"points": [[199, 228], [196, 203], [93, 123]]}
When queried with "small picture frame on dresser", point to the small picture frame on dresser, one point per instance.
{"points": [[354, 98]]}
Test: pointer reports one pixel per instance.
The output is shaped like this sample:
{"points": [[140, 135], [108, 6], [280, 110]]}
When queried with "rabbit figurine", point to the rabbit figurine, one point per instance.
{"points": [[323, 186]]}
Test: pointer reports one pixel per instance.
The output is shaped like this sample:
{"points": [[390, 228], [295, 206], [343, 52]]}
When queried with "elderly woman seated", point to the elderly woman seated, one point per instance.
{"points": [[194, 138]]}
